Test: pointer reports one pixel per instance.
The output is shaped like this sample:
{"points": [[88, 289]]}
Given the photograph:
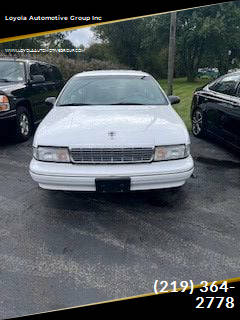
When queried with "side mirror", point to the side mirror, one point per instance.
{"points": [[50, 101], [174, 99], [37, 78]]}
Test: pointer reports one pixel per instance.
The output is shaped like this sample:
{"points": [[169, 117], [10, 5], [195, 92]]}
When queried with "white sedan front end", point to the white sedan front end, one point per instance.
{"points": [[110, 147], [155, 175]]}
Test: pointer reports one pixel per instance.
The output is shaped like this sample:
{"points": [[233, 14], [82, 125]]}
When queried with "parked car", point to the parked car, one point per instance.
{"points": [[24, 86], [111, 131], [215, 109], [206, 73]]}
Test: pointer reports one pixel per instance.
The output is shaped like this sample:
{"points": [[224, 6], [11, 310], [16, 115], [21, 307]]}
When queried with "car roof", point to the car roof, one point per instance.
{"points": [[111, 72], [24, 60], [234, 73]]}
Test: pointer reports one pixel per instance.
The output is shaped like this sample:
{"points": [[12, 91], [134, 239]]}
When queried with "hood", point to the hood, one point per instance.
{"points": [[6, 87], [111, 126]]}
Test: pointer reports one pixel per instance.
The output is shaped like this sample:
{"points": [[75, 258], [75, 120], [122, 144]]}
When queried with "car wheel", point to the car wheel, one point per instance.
{"points": [[24, 125], [198, 128]]}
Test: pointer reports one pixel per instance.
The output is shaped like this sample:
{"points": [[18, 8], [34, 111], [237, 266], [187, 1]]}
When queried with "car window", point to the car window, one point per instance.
{"points": [[56, 73], [35, 69], [109, 90], [46, 71], [12, 71], [51, 73], [238, 91], [226, 85]]}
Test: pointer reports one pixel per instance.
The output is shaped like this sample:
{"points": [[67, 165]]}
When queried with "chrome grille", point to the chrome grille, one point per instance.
{"points": [[111, 155]]}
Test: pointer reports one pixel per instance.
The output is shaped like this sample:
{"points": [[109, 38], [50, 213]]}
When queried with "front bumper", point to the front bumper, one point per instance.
{"points": [[7, 115], [144, 176], [7, 122]]}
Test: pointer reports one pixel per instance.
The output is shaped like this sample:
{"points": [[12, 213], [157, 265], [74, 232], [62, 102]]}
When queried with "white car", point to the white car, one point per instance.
{"points": [[111, 131]]}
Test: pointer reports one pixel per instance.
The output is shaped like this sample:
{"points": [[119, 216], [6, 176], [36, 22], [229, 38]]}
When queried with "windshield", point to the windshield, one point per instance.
{"points": [[112, 90], [11, 71]]}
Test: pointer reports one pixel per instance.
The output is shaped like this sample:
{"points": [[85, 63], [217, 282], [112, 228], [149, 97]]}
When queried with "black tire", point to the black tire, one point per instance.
{"points": [[198, 123], [24, 127]]}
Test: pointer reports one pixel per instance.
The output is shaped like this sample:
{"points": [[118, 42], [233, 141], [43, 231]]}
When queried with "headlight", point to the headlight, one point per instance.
{"points": [[171, 152], [4, 103], [51, 154]]}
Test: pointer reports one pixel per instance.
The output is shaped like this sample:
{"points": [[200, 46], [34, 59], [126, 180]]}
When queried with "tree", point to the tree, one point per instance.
{"points": [[204, 38], [137, 43], [124, 39], [99, 51], [207, 32], [191, 41]]}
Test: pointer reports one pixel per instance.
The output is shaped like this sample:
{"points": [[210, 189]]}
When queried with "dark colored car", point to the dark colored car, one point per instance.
{"points": [[24, 87], [215, 109]]}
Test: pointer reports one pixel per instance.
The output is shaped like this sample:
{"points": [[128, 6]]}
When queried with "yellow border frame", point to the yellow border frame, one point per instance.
{"points": [[142, 295], [38, 34]]}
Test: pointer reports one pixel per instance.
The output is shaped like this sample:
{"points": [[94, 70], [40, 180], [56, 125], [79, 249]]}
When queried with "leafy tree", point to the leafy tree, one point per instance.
{"points": [[205, 37], [208, 32], [99, 51], [137, 43], [124, 39]]}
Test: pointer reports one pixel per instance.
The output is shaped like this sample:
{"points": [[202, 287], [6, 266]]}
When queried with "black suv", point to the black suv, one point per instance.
{"points": [[24, 87]]}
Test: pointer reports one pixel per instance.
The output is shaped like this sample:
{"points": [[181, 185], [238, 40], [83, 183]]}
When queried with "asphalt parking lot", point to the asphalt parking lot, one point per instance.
{"points": [[63, 249]]}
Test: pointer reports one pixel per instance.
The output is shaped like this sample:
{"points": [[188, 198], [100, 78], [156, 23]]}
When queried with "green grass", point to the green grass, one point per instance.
{"points": [[184, 90]]}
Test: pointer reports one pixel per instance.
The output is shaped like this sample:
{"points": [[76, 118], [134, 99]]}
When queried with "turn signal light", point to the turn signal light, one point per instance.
{"points": [[4, 103]]}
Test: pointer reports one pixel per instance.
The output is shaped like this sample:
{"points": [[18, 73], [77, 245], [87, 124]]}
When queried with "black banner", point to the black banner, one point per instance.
{"points": [[16, 22], [215, 297]]}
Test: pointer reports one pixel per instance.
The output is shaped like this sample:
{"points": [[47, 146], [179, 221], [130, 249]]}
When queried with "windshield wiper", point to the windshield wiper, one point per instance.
{"points": [[126, 103], [90, 104], [5, 80], [74, 104]]}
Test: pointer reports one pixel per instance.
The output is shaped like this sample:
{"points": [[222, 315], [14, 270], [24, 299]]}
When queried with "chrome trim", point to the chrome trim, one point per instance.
{"points": [[221, 97], [122, 155]]}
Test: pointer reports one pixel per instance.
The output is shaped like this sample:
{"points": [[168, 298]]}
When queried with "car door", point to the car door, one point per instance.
{"points": [[236, 117], [221, 109], [58, 80], [36, 92], [49, 85], [53, 83]]}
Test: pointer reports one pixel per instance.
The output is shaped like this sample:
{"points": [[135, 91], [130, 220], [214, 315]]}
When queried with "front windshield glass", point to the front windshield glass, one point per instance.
{"points": [[112, 90], [11, 71]]}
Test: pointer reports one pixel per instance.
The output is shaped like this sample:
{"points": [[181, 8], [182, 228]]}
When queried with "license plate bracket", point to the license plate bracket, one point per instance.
{"points": [[113, 184]]}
